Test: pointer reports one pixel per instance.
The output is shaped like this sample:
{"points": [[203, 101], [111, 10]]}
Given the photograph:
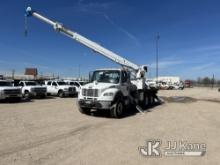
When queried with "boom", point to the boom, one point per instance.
{"points": [[86, 42]]}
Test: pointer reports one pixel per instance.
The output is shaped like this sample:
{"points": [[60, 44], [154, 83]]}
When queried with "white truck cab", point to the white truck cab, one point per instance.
{"points": [[60, 88], [8, 91], [109, 89], [32, 89]]}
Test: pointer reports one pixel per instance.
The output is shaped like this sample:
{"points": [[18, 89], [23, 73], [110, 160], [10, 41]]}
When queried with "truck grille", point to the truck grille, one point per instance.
{"points": [[90, 92], [72, 89], [12, 91], [39, 90]]}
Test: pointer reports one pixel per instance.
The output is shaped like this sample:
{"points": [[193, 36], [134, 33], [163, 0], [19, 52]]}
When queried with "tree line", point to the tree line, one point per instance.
{"points": [[206, 81]]}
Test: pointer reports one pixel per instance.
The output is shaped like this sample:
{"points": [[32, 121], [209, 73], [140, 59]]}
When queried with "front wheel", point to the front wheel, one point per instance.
{"points": [[84, 110], [27, 95], [117, 109]]}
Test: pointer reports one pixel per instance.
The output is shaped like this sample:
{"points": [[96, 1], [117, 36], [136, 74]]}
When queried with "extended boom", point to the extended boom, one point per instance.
{"points": [[88, 43]]}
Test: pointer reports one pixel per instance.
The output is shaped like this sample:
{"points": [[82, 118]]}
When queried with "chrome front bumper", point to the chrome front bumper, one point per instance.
{"points": [[94, 104]]}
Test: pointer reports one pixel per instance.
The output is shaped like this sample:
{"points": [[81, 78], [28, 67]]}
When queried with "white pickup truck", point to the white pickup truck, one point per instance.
{"points": [[77, 84], [60, 88], [32, 89], [7, 91]]}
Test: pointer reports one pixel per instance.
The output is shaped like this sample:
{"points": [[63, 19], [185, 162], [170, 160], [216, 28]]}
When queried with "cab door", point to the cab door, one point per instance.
{"points": [[54, 88], [48, 85], [77, 86], [21, 85], [125, 83]]}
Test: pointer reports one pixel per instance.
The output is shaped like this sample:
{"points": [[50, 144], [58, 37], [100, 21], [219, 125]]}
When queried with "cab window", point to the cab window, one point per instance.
{"points": [[54, 84], [71, 83], [21, 84], [76, 84], [124, 77]]}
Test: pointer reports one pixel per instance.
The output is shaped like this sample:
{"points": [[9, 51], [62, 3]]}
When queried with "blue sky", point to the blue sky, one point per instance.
{"points": [[189, 44]]}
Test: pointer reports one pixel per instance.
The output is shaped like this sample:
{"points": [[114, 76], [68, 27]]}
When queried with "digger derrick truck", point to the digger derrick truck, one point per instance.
{"points": [[108, 89]]}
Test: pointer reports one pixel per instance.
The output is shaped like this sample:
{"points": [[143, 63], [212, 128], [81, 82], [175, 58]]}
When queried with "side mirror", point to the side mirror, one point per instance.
{"points": [[145, 68]]}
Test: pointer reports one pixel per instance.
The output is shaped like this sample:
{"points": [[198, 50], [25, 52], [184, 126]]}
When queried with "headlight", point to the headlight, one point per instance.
{"points": [[65, 89], [108, 94]]}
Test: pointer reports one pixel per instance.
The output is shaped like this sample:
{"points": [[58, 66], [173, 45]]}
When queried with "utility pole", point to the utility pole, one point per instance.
{"points": [[213, 80], [157, 42], [13, 74]]}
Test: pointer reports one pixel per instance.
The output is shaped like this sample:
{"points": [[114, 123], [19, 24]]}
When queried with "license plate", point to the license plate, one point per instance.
{"points": [[13, 95], [88, 102]]}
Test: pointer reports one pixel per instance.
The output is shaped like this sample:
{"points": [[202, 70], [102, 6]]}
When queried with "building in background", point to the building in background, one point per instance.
{"points": [[31, 72]]}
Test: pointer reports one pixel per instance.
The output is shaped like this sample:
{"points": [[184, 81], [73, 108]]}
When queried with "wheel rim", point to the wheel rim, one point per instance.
{"points": [[119, 108], [26, 95], [61, 94]]}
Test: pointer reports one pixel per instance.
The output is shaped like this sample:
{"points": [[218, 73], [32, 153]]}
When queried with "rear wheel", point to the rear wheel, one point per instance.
{"points": [[146, 101], [151, 100], [117, 109], [61, 94]]}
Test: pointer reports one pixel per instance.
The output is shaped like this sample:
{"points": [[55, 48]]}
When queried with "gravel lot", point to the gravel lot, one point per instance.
{"points": [[52, 131]]}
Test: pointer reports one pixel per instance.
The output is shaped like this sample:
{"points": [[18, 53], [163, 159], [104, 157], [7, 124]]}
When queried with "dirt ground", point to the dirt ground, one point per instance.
{"points": [[52, 131]]}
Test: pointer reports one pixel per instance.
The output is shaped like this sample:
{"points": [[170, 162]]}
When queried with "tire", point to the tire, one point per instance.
{"points": [[151, 100], [117, 109], [84, 110], [27, 95], [61, 94], [146, 101]]}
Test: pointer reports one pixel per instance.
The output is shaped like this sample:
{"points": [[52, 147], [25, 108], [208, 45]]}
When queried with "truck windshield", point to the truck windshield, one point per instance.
{"points": [[110, 76], [5, 83], [61, 83], [31, 83]]}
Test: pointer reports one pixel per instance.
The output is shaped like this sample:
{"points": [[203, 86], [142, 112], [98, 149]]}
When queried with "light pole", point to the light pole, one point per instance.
{"points": [[157, 41], [79, 72], [13, 74]]}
